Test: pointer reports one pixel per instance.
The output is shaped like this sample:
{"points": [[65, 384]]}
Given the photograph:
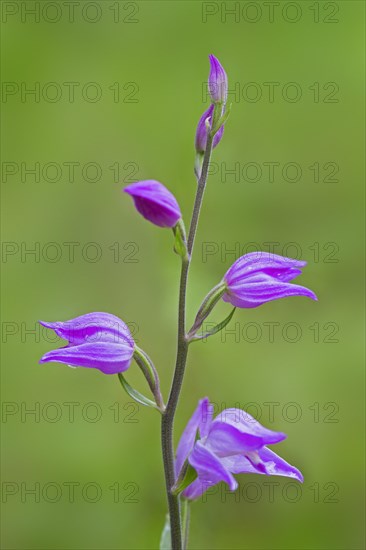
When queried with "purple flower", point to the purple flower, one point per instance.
{"points": [[217, 81], [96, 340], [232, 443], [261, 277], [156, 204], [201, 133]]}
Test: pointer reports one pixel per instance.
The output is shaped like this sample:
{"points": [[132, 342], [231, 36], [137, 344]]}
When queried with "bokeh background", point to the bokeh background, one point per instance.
{"points": [[91, 457]]}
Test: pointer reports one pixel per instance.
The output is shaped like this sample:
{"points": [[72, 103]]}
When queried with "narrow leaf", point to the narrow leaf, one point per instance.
{"points": [[221, 121], [179, 245], [180, 241], [207, 306], [166, 539], [136, 395], [216, 328], [186, 477], [186, 513], [225, 116], [145, 364]]}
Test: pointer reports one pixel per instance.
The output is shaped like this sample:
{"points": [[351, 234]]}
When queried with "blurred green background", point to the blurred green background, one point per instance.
{"points": [[97, 472]]}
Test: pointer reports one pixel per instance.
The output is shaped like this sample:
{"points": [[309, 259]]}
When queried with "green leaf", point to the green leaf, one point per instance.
{"points": [[215, 329], [185, 521], [222, 120], [225, 116], [166, 539], [180, 241], [145, 364], [186, 477], [216, 118], [207, 306], [136, 395]]}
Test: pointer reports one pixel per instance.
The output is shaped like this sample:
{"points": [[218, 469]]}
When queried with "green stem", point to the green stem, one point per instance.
{"points": [[186, 516], [182, 351]]}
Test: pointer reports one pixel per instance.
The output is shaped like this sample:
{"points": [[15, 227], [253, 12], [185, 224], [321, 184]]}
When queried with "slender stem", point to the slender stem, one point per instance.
{"points": [[182, 351], [186, 516], [199, 195]]}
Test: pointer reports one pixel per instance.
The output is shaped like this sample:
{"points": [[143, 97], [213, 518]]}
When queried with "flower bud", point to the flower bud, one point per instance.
{"points": [[217, 81], [202, 131], [154, 202]]}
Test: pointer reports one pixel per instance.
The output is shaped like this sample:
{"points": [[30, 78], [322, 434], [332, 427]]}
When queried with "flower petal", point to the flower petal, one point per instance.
{"points": [[107, 357], [270, 464], [196, 489], [200, 420], [92, 327], [235, 431], [263, 262], [255, 290], [201, 132], [277, 466], [206, 418], [217, 81], [209, 468], [246, 423]]}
